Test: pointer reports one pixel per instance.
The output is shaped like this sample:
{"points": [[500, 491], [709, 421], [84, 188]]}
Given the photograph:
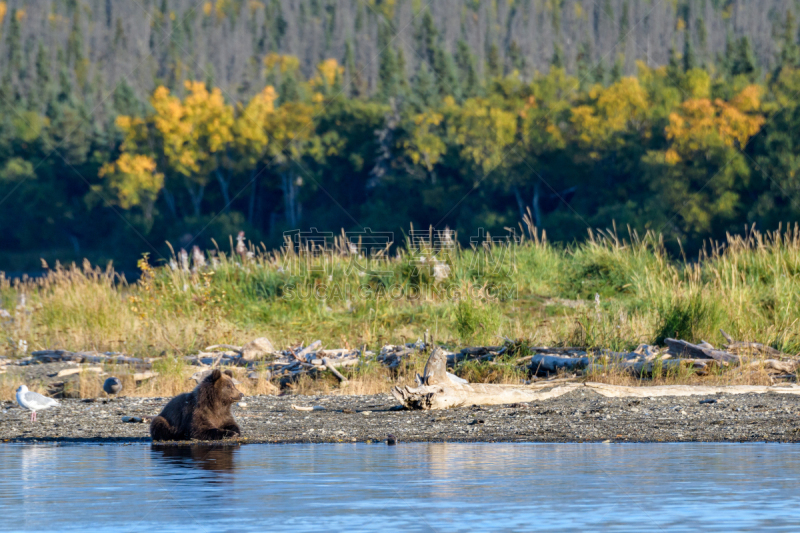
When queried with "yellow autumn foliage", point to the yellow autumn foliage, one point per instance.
{"points": [[251, 129], [619, 108], [426, 143], [285, 63], [292, 132], [700, 123], [134, 130], [697, 83], [131, 180], [327, 72], [194, 129], [483, 131]]}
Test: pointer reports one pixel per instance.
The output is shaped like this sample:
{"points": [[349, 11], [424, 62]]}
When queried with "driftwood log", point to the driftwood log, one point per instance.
{"points": [[438, 391], [552, 363], [754, 348], [774, 366], [680, 348], [333, 370], [619, 391], [646, 368]]}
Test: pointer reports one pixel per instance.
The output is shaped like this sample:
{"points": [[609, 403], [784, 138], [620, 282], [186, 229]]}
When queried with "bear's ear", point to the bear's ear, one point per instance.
{"points": [[215, 374], [228, 373]]}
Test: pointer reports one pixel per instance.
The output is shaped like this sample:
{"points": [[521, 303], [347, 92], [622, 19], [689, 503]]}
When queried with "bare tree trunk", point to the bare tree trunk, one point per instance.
{"points": [[148, 214], [169, 198], [273, 219], [224, 185], [430, 169], [253, 190], [290, 198], [520, 202], [197, 197]]}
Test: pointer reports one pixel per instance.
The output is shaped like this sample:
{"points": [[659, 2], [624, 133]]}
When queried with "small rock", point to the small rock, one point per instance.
{"points": [[257, 349], [709, 400], [366, 413], [242, 404], [132, 419]]}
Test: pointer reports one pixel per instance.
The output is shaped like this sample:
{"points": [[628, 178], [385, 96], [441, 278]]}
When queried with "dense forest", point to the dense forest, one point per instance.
{"points": [[129, 123]]}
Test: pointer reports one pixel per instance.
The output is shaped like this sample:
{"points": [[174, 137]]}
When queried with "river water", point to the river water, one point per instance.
{"points": [[408, 487]]}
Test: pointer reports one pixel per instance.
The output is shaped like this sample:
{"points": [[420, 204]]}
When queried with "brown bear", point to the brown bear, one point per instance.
{"points": [[203, 414]]}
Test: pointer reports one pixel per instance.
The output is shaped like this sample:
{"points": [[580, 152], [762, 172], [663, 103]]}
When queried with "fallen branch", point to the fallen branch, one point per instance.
{"points": [[757, 347], [681, 348], [237, 349], [313, 347], [333, 370], [646, 368], [781, 367], [307, 408], [552, 364]]}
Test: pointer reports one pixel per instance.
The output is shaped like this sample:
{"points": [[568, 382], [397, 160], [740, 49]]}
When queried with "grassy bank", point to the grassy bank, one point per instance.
{"points": [[609, 292]]}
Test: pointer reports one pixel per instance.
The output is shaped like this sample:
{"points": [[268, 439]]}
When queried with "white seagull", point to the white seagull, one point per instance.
{"points": [[33, 401]]}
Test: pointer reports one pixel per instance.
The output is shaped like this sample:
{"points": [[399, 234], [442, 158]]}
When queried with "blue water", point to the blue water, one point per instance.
{"points": [[408, 487]]}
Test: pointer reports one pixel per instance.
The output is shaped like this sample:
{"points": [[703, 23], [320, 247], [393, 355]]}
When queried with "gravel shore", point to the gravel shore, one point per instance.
{"points": [[578, 416]]}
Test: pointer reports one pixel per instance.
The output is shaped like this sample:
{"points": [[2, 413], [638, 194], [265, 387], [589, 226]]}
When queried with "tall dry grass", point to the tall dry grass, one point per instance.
{"points": [[609, 292]]}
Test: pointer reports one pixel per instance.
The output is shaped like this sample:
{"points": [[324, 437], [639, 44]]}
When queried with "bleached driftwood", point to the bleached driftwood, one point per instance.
{"points": [[751, 347], [333, 370], [646, 368], [775, 366], [336, 363], [619, 391], [307, 408], [71, 371], [438, 391], [237, 349], [681, 348], [552, 363], [313, 347]]}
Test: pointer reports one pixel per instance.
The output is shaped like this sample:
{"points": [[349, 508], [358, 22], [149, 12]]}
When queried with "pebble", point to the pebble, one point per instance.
{"points": [[272, 419]]}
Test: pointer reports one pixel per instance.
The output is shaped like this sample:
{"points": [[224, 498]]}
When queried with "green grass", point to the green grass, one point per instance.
{"points": [[608, 292]]}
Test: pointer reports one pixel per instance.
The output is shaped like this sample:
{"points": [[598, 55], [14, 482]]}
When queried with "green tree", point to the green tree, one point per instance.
{"points": [[467, 72]]}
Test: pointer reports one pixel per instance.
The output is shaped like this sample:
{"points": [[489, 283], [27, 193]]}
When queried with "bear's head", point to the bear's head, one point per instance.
{"points": [[220, 387]]}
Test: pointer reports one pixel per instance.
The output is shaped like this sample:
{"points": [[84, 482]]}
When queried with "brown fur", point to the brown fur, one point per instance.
{"points": [[203, 414]]}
